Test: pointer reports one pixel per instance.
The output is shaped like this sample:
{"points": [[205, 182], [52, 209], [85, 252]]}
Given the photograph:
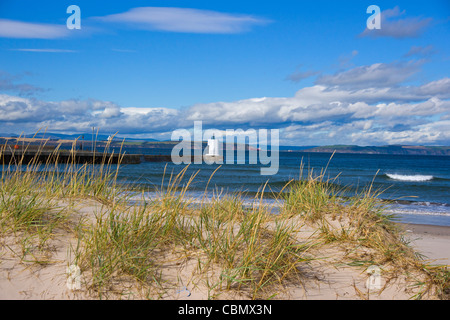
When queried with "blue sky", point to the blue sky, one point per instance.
{"points": [[308, 68]]}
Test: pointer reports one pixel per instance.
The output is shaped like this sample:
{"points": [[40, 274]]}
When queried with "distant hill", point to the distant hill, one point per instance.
{"points": [[89, 136], [79, 136], [295, 148], [391, 149], [153, 143]]}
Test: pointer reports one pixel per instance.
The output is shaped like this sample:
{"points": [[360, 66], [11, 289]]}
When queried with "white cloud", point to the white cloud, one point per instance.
{"points": [[45, 50], [375, 75], [28, 30], [319, 114], [394, 26], [436, 133], [184, 20], [439, 88], [8, 82], [147, 111]]}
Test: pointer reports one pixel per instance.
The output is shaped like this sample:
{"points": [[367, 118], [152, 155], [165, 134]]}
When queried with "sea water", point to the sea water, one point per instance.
{"points": [[418, 186]]}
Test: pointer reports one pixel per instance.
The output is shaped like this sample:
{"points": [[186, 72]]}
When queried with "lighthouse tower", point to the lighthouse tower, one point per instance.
{"points": [[213, 148]]}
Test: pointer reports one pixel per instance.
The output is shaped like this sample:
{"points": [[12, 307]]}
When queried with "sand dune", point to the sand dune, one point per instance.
{"points": [[329, 277]]}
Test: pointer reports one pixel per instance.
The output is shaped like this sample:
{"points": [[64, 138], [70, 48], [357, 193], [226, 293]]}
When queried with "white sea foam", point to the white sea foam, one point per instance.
{"points": [[419, 211], [402, 177]]}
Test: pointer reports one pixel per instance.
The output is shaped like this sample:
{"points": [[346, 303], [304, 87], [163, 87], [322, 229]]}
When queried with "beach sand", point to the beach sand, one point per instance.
{"points": [[430, 240], [328, 278]]}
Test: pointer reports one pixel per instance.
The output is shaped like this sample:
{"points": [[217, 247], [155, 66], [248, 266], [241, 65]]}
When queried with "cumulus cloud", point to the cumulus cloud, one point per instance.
{"points": [[81, 116], [376, 75], [184, 20], [393, 25], [432, 133], [337, 111], [8, 82], [439, 88]]}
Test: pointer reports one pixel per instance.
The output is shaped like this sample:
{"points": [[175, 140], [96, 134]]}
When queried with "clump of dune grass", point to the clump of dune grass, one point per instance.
{"points": [[126, 237], [310, 196], [255, 249], [362, 226], [30, 190], [25, 213], [361, 218]]}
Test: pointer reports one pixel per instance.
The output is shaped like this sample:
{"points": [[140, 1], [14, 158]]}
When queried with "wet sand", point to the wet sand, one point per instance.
{"points": [[430, 240]]}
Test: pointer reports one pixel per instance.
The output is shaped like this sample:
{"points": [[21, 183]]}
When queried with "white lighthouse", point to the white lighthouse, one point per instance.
{"points": [[213, 153], [213, 148]]}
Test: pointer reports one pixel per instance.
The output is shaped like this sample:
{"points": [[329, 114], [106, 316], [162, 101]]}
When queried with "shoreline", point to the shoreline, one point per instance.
{"points": [[432, 241], [426, 229]]}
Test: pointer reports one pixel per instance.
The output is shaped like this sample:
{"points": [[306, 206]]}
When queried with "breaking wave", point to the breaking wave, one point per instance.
{"points": [[417, 178]]}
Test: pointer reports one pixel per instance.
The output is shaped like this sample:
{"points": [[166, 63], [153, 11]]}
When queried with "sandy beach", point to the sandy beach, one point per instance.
{"points": [[331, 276], [430, 240]]}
